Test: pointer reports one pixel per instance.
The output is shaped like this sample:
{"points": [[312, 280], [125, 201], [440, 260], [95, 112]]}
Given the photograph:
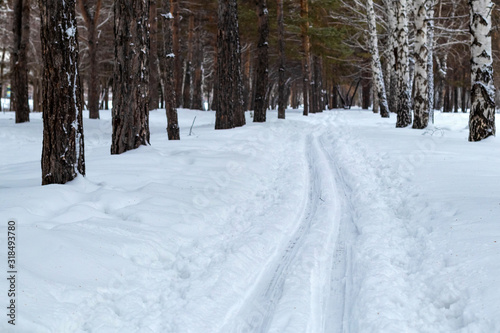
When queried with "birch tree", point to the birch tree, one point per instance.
{"points": [[402, 65], [430, 58], [421, 106], [377, 74], [482, 112], [62, 151]]}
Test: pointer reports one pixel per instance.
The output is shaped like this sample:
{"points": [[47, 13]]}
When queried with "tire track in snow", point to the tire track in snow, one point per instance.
{"points": [[323, 273]]}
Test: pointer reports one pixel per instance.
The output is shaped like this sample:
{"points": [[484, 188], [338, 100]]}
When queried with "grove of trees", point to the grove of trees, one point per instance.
{"points": [[405, 57]]}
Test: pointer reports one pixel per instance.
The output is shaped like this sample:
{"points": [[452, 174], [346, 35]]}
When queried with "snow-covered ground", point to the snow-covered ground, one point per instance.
{"points": [[336, 222]]}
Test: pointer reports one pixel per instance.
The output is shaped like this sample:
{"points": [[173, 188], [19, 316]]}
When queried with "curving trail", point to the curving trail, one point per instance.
{"points": [[303, 286]]}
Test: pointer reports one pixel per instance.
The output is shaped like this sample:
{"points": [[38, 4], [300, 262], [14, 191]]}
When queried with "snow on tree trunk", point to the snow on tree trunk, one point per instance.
{"points": [[261, 84], [19, 59], [430, 57], [402, 65], [421, 105], [62, 151], [281, 51], [229, 86], [377, 75], [482, 112], [167, 62], [130, 115]]}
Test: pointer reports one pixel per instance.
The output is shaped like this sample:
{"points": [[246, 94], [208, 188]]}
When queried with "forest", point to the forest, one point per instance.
{"points": [[319, 166], [408, 58]]}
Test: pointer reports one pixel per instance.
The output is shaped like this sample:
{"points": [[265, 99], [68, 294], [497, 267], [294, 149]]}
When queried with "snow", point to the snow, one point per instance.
{"points": [[336, 222]]}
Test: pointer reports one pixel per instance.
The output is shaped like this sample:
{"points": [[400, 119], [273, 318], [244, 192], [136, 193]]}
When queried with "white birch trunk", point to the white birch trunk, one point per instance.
{"points": [[482, 112], [402, 65], [421, 106], [430, 56], [391, 63], [377, 74]]}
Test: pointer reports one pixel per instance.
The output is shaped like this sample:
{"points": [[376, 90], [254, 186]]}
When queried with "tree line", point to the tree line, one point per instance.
{"points": [[409, 57]]}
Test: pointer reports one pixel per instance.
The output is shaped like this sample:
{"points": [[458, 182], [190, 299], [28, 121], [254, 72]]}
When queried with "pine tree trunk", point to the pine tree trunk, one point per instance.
{"points": [[167, 63], [154, 69], [63, 150], [306, 60], [402, 65], [421, 106], [281, 56], [186, 99], [377, 74], [90, 20], [262, 78], [482, 111], [131, 76], [19, 58], [229, 86], [177, 51], [197, 99]]}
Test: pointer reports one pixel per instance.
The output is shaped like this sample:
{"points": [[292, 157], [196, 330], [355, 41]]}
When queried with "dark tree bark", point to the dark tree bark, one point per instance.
{"points": [[90, 20], [281, 55], [167, 62], [262, 71], [177, 51], [1, 74], [131, 75], [63, 151], [19, 58], [188, 75], [154, 70], [366, 90], [197, 98], [229, 86], [306, 60]]}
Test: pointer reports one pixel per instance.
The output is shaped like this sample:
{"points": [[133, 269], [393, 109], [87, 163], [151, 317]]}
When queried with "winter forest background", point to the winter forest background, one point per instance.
{"points": [[249, 166]]}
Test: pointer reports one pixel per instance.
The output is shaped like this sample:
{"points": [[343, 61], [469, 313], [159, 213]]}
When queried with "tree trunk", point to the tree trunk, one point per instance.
{"points": [[19, 86], [281, 56], [306, 57], [63, 150], [186, 99], [197, 99], [402, 65], [90, 20], [377, 74], [392, 76], [167, 63], [421, 106], [177, 52], [131, 76], [482, 111], [430, 58], [229, 88], [446, 99], [262, 78], [154, 69]]}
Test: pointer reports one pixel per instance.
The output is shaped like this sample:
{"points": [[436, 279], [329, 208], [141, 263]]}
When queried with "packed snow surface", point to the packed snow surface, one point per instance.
{"points": [[336, 222]]}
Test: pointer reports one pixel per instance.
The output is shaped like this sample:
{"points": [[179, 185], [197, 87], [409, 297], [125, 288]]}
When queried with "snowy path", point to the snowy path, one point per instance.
{"points": [[303, 285]]}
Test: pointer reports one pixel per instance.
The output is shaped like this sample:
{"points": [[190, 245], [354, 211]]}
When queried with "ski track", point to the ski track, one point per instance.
{"points": [[324, 228]]}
